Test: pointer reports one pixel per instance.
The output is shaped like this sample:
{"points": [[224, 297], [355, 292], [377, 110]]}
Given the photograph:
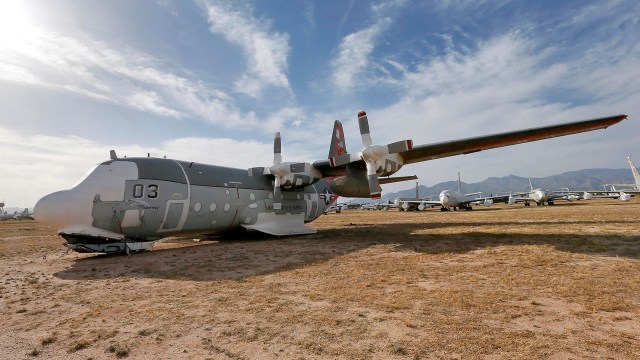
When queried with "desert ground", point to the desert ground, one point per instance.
{"points": [[507, 282]]}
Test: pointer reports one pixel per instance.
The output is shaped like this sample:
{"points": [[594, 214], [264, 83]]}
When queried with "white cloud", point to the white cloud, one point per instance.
{"points": [[124, 77], [50, 163], [355, 49], [266, 51]]}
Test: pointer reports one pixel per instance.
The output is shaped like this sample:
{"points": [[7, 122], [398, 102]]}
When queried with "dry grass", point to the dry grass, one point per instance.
{"points": [[505, 282]]}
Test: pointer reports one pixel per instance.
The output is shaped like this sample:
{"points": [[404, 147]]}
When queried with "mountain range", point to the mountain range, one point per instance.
{"points": [[588, 179]]}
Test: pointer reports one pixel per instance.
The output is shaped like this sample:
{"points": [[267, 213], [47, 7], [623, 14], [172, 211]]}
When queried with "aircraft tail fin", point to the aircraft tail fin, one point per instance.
{"points": [[530, 183], [634, 171], [338, 146]]}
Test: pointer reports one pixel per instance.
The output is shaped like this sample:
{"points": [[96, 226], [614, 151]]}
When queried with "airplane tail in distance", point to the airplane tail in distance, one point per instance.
{"points": [[338, 146], [634, 171]]}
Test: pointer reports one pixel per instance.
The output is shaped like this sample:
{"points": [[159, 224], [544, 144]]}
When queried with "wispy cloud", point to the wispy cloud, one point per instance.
{"points": [[266, 51], [355, 49], [124, 77]]}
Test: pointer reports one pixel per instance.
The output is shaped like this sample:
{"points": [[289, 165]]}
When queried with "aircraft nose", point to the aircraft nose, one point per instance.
{"points": [[60, 209], [48, 209]]}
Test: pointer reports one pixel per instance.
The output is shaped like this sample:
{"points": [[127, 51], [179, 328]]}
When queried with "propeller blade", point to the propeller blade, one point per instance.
{"points": [[277, 196], [375, 191], [258, 171], [374, 184], [400, 146], [277, 149], [363, 123], [343, 159]]}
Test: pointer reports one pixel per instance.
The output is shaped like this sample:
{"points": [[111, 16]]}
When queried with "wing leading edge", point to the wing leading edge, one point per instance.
{"points": [[475, 144]]}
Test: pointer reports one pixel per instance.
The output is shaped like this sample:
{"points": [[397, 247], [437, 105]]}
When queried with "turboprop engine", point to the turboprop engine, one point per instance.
{"points": [[380, 160], [287, 175]]}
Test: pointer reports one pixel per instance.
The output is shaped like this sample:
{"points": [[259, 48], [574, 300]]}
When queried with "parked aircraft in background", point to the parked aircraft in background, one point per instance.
{"points": [[636, 177], [124, 204], [337, 208], [24, 215], [412, 204], [451, 199], [5, 216]]}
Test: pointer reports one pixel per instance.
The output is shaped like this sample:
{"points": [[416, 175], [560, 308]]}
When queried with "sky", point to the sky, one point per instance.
{"points": [[211, 81]]}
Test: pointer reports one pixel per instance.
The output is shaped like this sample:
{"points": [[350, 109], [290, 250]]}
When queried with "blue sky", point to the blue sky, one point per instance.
{"points": [[211, 81]]}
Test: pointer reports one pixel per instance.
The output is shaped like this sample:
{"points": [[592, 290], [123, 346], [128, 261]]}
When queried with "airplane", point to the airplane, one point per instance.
{"points": [[631, 189], [451, 199], [625, 194], [337, 208], [540, 196], [123, 205], [24, 215], [411, 204], [5, 216]]}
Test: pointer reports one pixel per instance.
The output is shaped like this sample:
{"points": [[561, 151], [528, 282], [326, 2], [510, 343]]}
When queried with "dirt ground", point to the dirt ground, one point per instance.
{"points": [[559, 282]]}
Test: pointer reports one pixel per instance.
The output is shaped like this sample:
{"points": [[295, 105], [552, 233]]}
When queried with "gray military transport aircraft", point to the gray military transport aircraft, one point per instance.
{"points": [[124, 204]]}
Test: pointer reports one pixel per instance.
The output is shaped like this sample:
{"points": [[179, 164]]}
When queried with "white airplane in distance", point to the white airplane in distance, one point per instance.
{"points": [[451, 199], [540, 196], [337, 208], [625, 194], [24, 215], [5, 216], [125, 204], [629, 188], [412, 203]]}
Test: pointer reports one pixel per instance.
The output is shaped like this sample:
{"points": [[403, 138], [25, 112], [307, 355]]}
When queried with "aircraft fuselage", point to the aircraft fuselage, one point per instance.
{"points": [[145, 199]]}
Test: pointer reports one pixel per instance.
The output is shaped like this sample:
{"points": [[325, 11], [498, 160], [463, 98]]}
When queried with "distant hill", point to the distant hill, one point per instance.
{"points": [[588, 179]]}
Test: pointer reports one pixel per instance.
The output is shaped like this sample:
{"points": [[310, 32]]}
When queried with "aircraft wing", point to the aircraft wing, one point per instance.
{"points": [[497, 198], [475, 144], [470, 145]]}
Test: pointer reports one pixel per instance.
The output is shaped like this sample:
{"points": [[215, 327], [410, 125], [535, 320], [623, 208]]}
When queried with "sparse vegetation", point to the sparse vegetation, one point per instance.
{"points": [[547, 282], [119, 350]]}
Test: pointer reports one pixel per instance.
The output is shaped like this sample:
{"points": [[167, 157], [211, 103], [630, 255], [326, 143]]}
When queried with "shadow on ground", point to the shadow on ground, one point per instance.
{"points": [[246, 256]]}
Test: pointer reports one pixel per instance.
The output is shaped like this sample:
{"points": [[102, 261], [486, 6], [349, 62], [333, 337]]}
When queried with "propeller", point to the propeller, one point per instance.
{"points": [[281, 171], [372, 155]]}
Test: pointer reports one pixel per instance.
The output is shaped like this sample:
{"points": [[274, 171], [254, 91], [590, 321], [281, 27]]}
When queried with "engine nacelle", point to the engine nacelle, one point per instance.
{"points": [[624, 196], [349, 186], [422, 206], [300, 175], [511, 200], [488, 202], [389, 165], [587, 196]]}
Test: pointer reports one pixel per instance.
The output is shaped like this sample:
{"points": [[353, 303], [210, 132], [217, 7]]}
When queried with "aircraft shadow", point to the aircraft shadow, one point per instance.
{"points": [[242, 257]]}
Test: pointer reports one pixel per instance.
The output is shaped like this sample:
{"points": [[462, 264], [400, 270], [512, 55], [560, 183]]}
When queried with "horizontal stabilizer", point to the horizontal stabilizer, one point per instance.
{"points": [[389, 180]]}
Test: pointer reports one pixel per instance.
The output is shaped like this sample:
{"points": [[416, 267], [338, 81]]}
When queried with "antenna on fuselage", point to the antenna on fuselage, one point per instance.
{"points": [[113, 155]]}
